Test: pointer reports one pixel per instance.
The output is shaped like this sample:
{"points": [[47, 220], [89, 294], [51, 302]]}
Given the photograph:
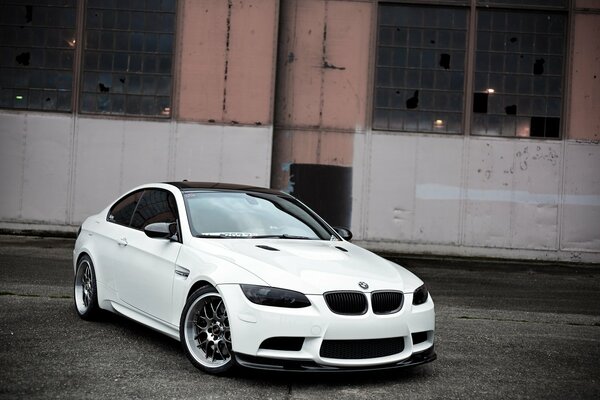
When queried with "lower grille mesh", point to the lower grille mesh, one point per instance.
{"points": [[361, 349]]}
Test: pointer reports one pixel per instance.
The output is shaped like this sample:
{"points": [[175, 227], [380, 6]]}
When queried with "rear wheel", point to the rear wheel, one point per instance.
{"points": [[85, 292], [205, 333]]}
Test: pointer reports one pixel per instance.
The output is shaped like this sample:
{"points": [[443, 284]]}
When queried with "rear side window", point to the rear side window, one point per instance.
{"points": [[155, 206], [122, 211]]}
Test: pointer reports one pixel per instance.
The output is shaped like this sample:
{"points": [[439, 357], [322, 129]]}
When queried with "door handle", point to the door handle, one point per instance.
{"points": [[183, 272], [123, 242]]}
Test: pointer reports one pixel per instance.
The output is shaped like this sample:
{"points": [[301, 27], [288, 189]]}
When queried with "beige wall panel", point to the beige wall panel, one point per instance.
{"points": [[301, 50], [98, 165], [304, 147], [198, 150], [581, 216], [145, 153], [347, 47], [47, 168], [391, 196], [13, 129], [336, 148], [250, 70], [246, 157], [214, 153], [595, 4], [585, 86], [202, 67], [512, 194]]}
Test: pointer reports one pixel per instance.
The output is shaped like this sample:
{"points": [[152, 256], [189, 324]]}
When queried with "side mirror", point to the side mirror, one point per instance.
{"points": [[343, 232], [161, 230]]}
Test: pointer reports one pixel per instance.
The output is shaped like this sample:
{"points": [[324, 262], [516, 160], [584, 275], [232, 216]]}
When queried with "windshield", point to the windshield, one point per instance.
{"points": [[250, 215]]}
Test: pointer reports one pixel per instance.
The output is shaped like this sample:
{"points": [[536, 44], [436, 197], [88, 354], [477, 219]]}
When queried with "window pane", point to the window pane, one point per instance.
{"points": [[37, 45], [420, 64], [155, 206], [128, 53], [122, 212], [518, 73]]}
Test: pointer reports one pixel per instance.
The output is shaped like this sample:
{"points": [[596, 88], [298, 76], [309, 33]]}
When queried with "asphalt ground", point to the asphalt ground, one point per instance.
{"points": [[504, 330]]}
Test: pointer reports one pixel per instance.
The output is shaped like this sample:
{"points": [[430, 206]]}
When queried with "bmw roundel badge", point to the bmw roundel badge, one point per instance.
{"points": [[363, 285]]}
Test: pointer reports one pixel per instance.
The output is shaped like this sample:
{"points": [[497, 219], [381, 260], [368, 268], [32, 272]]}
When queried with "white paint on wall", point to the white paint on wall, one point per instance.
{"points": [[58, 169], [581, 219], [397, 165], [445, 192], [477, 196]]}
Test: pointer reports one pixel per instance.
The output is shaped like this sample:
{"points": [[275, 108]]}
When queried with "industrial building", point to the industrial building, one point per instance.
{"points": [[450, 127]]}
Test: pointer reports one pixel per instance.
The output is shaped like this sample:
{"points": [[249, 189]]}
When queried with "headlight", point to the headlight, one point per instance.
{"points": [[274, 297], [420, 295]]}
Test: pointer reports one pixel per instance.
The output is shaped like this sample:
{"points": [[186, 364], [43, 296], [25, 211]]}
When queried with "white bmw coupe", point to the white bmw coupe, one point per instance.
{"points": [[252, 277]]}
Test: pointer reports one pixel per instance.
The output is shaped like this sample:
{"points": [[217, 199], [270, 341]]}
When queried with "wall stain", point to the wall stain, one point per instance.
{"points": [[331, 66]]}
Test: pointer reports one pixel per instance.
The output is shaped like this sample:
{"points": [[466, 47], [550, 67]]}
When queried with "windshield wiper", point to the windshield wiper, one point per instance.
{"points": [[217, 236], [280, 236]]}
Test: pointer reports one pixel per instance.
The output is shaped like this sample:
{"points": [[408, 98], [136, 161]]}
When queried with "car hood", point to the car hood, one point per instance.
{"points": [[311, 266]]}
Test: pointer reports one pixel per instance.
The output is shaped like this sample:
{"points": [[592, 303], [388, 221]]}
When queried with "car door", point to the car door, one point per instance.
{"points": [[147, 265]]}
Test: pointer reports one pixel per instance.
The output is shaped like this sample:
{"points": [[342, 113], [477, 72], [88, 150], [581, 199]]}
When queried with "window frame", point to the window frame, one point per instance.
{"points": [[77, 73], [474, 6]]}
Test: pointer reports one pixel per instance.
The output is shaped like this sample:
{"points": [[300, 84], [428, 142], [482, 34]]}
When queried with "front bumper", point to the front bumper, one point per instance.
{"points": [[253, 324], [273, 364]]}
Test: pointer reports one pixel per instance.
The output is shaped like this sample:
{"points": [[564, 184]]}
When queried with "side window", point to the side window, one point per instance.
{"points": [[155, 206], [122, 211]]}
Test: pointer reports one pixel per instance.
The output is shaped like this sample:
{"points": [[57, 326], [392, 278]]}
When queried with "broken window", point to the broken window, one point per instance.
{"points": [[518, 83], [128, 56], [516, 67], [420, 68], [37, 46]]}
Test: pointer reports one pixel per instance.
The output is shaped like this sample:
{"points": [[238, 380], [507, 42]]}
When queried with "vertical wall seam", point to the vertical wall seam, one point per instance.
{"points": [[368, 133], [322, 87], [227, 38], [74, 137], [560, 220]]}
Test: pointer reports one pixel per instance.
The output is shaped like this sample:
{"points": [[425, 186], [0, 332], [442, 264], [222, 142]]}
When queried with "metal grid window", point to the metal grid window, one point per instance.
{"points": [[128, 55], [37, 41], [419, 82], [518, 73], [512, 62]]}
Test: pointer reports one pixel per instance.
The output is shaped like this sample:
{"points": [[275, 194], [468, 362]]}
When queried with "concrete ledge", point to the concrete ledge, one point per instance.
{"points": [[43, 230]]}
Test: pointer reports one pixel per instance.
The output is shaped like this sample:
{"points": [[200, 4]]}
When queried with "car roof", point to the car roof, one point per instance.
{"points": [[218, 186]]}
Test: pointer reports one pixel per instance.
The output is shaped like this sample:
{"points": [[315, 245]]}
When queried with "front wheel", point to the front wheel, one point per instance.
{"points": [[205, 333], [85, 292]]}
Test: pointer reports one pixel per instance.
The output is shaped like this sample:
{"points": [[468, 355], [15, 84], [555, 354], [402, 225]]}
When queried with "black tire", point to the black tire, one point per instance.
{"points": [[204, 332], [85, 292]]}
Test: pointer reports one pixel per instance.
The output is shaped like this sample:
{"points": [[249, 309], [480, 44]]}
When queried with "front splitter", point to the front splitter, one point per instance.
{"points": [[274, 364]]}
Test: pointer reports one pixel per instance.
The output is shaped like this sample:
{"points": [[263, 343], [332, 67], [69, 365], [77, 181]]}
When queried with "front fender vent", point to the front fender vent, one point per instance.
{"points": [[265, 247]]}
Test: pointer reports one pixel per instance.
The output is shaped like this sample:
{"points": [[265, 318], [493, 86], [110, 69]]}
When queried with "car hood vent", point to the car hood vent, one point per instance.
{"points": [[341, 249], [264, 246]]}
